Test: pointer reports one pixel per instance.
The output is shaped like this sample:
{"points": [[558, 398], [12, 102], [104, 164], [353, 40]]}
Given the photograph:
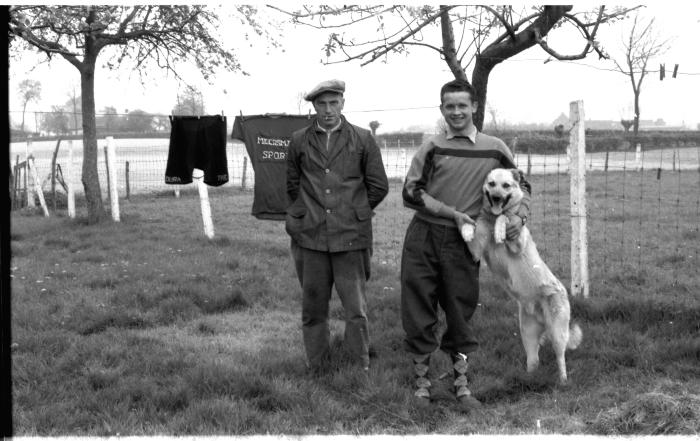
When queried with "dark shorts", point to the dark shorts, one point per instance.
{"points": [[197, 142]]}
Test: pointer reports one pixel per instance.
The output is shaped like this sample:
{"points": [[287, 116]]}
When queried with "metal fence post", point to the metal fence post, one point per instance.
{"points": [[577, 170]]}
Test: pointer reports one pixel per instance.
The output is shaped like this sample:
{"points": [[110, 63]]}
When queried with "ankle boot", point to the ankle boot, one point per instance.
{"points": [[462, 392], [421, 365]]}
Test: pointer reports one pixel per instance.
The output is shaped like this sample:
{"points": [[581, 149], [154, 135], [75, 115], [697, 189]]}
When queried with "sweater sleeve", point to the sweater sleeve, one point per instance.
{"points": [[414, 190]]}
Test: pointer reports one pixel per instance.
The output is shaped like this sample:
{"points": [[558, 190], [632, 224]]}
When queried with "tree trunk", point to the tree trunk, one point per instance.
{"points": [[24, 109], [636, 116], [480, 81], [448, 45], [91, 181]]}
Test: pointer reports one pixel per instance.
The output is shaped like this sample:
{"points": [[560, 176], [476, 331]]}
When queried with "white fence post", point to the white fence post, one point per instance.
{"points": [[112, 177], [638, 156], [70, 196], [29, 188], [577, 170], [198, 176], [37, 186]]}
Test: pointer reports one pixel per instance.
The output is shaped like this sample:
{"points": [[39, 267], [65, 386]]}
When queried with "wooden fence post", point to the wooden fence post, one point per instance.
{"points": [[15, 202], [28, 190], [126, 176], [37, 186], [109, 189], [112, 177], [638, 156], [198, 176], [245, 167], [577, 170], [53, 173], [69, 181], [607, 153]]}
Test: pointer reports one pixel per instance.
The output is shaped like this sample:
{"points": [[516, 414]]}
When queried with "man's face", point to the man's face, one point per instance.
{"points": [[457, 108], [328, 107]]}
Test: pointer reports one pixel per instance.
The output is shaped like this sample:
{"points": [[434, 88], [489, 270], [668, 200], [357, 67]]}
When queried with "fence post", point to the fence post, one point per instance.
{"points": [[126, 177], [198, 176], [28, 190], [607, 154], [109, 189], [69, 181], [53, 173], [638, 156], [112, 177], [37, 186], [577, 170], [17, 183], [245, 166]]}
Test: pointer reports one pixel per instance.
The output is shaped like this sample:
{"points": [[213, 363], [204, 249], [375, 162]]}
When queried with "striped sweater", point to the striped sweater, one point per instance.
{"points": [[450, 170]]}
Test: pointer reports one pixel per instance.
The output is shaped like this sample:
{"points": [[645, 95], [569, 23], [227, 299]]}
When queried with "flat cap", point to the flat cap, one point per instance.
{"points": [[336, 86]]}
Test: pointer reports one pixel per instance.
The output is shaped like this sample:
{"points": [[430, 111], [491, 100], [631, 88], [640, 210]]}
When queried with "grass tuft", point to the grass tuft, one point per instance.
{"points": [[652, 413]]}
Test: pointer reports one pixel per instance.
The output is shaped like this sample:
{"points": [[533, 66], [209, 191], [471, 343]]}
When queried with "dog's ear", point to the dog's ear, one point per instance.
{"points": [[516, 174]]}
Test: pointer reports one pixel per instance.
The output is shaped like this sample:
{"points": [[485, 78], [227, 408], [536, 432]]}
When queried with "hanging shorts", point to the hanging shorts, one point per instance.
{"points": [[197, 142]]}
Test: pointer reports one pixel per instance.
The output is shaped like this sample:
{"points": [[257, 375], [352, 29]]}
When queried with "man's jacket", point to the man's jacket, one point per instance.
{"points": [[333, 187]]}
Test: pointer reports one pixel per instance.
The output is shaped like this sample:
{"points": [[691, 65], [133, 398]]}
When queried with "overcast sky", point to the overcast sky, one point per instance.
{"points": [[402, 92]]}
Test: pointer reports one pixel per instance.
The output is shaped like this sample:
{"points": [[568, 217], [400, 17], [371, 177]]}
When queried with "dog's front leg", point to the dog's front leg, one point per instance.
{"points": [[499, 229]]}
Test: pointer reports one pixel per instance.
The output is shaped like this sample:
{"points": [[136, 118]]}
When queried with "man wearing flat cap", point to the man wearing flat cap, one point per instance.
{"points": [[335, 179]]}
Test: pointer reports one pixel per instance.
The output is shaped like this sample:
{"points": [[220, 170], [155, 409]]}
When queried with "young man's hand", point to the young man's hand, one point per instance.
{"points": [[462, 218]]}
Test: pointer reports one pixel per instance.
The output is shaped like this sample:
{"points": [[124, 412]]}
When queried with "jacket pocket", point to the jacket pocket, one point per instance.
{"points": [[296, 210], [352, 164], [363, 213]]}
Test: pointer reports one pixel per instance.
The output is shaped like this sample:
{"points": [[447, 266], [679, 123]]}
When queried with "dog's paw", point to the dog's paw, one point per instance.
{"points": [[467, 231], [499, 229]]}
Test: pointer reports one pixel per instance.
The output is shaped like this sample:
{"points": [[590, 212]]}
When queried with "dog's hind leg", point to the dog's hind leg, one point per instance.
{"points": [[530, 332], [559, 346]]}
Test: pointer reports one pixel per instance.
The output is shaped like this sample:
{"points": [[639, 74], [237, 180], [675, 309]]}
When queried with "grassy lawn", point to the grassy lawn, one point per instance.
{"points": [[145, 327]]}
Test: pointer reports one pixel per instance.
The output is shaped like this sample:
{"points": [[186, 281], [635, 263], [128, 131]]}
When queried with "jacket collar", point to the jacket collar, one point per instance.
{"points": [[318, 127], [471, 134]]}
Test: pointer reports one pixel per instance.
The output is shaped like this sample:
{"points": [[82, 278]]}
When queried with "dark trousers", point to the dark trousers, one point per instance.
{"points": [[437, 268], [318, 271]]}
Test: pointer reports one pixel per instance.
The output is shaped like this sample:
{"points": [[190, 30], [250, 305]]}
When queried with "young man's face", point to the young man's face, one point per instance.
{"points": [[328, 107], [458, 108]]}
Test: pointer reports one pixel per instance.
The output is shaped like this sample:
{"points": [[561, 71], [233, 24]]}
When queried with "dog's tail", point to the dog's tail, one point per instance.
{"points": [[575, 336]]}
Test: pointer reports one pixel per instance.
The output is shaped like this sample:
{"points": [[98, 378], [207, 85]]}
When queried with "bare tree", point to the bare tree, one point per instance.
{"points": [[191, 102], [29, 90], [147, 34], [488, 35], [374, 125], [639, 47]]}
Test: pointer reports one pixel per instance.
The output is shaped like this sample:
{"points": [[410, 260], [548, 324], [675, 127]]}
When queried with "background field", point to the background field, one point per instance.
{"points": [[145, 327]]}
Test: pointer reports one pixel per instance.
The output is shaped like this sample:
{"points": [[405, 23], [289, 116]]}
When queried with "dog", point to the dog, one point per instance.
{"points": [[543, 304]]}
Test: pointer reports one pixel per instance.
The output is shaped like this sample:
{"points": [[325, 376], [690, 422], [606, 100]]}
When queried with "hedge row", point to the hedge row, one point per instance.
{"points": [[596, 142]]}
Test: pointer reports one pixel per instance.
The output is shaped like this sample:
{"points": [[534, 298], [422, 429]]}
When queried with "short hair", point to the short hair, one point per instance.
{"points": [[458, 86]]}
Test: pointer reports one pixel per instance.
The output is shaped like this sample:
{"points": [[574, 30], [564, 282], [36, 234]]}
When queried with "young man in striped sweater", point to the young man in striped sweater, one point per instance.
{"points": [[444, 186]]}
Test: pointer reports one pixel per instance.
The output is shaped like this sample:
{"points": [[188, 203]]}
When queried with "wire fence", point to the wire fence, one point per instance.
{"points": [[643, 207]]}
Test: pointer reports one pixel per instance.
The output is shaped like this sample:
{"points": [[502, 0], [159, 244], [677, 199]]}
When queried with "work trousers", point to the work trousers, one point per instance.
{"points": [[318, 271], [437, 268]]}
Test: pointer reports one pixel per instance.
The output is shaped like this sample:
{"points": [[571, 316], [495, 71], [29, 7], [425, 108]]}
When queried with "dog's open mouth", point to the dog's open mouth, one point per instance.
{"points": [[497, 202]]}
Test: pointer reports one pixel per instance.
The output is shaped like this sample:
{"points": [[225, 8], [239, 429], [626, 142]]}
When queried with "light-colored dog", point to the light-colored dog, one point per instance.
{"points": [[543, 304]]}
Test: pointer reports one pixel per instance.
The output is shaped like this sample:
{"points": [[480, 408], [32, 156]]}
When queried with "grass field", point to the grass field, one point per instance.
{"points": [[145, 327]]}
